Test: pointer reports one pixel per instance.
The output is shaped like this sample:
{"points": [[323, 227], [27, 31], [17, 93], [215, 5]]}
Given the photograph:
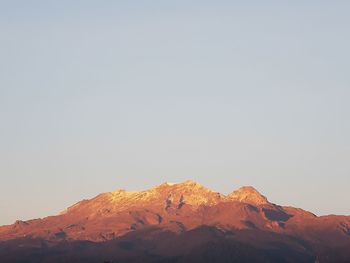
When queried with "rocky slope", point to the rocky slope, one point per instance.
{"points": [[183, 222]]}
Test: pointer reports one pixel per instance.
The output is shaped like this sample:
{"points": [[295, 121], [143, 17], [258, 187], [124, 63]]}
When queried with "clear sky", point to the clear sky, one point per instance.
{"points": [[101, 95]]}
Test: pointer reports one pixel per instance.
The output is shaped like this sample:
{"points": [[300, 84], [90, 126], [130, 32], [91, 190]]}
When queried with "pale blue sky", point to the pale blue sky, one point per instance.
{"points": [[100, 95]]}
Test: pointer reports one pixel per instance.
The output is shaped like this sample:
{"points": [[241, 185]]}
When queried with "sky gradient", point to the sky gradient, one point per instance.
{"points": [[101, 95]]}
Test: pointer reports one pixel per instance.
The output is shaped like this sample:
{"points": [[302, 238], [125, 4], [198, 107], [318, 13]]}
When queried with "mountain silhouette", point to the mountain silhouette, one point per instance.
{"points": [[184, 222]]}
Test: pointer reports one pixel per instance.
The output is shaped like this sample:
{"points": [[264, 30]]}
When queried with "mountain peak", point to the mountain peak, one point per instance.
{"points": [[185, 216], [189, 192], [190, 182], [248, 194], [187, 183]]}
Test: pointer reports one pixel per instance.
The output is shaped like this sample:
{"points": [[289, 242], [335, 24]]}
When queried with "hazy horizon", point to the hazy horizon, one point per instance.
{"points": [[96, 96]]}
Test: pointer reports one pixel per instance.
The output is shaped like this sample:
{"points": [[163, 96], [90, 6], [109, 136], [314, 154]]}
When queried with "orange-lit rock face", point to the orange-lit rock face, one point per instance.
{"points": [[181, 208], [164, 197], [248, 194], [177, 218]]}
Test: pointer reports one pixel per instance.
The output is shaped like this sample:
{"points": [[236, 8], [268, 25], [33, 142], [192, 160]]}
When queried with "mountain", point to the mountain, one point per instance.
{"points": [[183, 222]]}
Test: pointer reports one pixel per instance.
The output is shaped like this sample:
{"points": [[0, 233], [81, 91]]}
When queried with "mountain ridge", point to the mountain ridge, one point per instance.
{"points": [[243, 218], [195, 193]]}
